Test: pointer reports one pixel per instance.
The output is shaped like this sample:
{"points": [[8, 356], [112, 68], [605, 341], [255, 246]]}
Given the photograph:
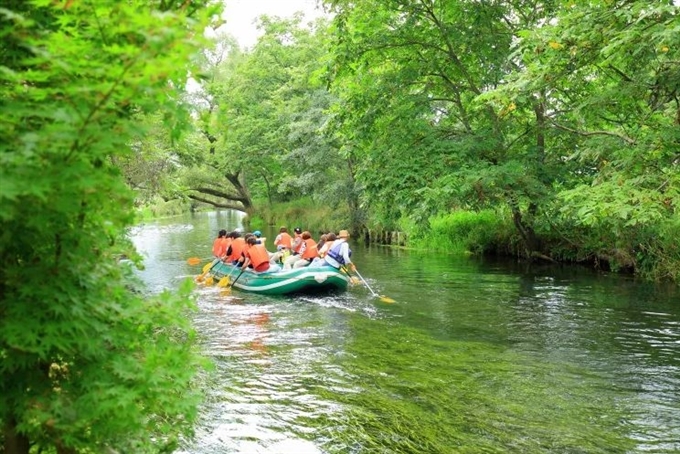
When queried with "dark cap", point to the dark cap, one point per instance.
{"points": [[298, 230]]}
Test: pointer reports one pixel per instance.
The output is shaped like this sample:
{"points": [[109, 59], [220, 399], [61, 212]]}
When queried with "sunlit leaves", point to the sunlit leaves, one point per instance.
{"points": [[566, 109], [266, 110], [412, 77], [612, 91], [77, 372]]}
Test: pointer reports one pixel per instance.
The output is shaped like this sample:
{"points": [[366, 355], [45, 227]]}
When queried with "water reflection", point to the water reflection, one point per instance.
{"points": [[475, 356]]}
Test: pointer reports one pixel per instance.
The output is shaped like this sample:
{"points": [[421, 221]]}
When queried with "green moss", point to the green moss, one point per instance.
{"points": [[420, 394]]}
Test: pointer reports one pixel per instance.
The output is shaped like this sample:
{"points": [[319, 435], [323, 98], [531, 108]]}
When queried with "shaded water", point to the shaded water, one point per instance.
{"points": [[476, 356]]}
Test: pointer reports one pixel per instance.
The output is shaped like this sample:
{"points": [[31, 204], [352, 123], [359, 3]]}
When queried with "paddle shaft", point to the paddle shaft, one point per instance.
{"points": [[215, 262], [239, 275], [366, 283]]}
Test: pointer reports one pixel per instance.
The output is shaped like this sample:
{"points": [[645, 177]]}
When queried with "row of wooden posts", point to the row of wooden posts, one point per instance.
{"points": [[383, 237]]}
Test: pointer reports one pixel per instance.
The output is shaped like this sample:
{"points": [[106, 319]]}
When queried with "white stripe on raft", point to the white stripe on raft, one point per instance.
{"points": [[283, 283]]}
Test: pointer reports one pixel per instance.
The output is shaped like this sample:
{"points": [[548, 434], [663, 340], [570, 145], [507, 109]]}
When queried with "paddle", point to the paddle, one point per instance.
{"points": [[383, 298], [225, 280], [195, 260], [227, 290], [353, 279], [206, 269]]}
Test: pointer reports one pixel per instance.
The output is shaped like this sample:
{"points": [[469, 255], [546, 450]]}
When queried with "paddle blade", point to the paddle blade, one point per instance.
{"points": [[354, 280], [207, 267], [193, 260], [226, 292], [386, 299], [209, 280], [223, 282]]}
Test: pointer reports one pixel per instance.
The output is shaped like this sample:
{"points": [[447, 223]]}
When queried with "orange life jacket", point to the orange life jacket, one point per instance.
{"points": [[285, 240], [310, 249], [219, 246], [238, 245], [259, 257]]}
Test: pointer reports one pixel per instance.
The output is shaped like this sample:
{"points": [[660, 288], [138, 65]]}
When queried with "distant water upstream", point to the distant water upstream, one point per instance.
{"points": [[476, 356]]}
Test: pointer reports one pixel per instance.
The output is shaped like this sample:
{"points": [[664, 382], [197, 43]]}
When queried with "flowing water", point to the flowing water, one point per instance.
{"points": [[475, 356]]}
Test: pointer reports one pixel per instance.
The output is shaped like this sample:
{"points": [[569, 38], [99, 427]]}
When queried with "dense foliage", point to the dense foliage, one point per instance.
{"points": [[87, 364], [562, 118], [261, 114], [563, 115]]}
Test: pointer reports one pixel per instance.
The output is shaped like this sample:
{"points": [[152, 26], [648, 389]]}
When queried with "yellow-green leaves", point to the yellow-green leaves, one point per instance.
{"points": [[72, 77]]}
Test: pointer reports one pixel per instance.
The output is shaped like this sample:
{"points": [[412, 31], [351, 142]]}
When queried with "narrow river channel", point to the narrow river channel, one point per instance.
{"points": [[475, 356]]}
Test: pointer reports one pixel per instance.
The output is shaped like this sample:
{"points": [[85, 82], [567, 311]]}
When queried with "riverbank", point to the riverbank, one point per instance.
{"points": [[651, 253]]}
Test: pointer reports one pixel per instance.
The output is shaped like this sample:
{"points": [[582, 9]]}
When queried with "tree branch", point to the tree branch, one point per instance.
{"points": [[622, 137], [220, 194], [232, 206]]}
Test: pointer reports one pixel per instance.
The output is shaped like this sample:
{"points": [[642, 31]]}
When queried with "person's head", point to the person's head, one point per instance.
{"points": [[249, 235], [306, 235], [298, 230], [222, 233], [283, 230], [343, 234], [252, 239], [323, 237], [235, 234], [331, 236], [257, 233]]}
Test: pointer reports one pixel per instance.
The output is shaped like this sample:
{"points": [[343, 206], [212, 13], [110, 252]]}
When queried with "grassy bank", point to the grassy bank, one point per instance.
{"points": [[464, 232], [650, 251]]}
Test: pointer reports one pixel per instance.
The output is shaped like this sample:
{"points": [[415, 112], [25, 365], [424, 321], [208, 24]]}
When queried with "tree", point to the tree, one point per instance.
{"points": [[263, 113], [608, 71], [412, 76], [153, 165], [88, 363]]}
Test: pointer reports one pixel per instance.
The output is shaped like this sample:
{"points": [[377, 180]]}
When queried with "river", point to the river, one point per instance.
{"points": [[475, 356]]}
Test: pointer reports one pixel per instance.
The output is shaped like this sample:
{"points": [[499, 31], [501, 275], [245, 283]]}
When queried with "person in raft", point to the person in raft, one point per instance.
{"points": [[220, 244], [339, 253], [258, 235], [295, 247], [283, 239], [308, 252], [322, 249], [235, 250], [283, 243], [256, 256]]}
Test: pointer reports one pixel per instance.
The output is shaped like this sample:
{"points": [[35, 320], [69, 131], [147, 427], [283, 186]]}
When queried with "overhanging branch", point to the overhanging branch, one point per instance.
{"points": [[232, 206], [622, 137], [220, 194]]}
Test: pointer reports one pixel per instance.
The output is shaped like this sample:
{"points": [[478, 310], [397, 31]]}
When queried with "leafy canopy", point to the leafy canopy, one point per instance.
{"points": [[86, 361]]}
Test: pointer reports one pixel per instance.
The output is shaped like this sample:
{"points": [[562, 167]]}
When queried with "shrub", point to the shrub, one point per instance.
{"points": [[472, 232]]}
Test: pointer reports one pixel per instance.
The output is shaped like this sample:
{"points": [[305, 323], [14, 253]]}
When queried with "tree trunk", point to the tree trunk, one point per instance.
{"points": [[356, 213], [15, 443], [531, 243], [238, 181], [61, 449]]}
